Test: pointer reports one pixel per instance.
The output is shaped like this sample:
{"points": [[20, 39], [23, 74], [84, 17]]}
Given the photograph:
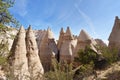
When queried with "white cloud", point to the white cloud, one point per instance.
{"points": [[21, 7]]}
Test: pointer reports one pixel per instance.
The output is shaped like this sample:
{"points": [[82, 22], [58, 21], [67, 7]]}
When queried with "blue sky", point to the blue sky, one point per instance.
{"points": [[94, 16]]}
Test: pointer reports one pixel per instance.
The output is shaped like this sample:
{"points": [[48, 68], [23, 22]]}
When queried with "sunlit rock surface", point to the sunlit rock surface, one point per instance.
{"points": [[47, 48], [34, 62], [66, 45], [84, 40], [114, 38], [17, 58]]}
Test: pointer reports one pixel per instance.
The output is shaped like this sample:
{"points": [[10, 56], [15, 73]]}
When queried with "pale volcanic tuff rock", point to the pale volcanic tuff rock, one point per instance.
{"points": [[84, 40], [61, 37], [47, 49], [84, 36], [34, 62], [18, 59], [6, 39], [24, 66], [10, 36], [66, 45], [100, 43], [114, 38], [39, 34], [68, 34]]}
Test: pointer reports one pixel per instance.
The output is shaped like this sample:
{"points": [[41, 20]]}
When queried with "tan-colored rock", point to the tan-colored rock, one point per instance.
{"points": [[67, 46], [100, 43], [49, 33], [66, 52], [114, 38], [68, 35], [6, 39], [34, 62], [83, 36], [11, 35], [61, 38], [47, 50], [39, 34], [84, 40], [18, 59]]}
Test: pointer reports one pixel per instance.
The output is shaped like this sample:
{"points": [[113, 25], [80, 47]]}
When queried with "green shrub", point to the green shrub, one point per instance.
{"points": [[60, 71], [84, 71], [2, 60], [86, 56], [111, 55]]}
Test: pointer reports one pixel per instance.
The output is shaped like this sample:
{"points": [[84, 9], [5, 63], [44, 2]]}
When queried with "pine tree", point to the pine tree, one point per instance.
{"points": [[5, 17]]}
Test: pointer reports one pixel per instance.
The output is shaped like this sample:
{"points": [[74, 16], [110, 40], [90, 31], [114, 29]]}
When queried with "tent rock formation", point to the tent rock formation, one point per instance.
{"points": [[18, 59], [100, 43], [34, 62], [66, 45], [114, 38], [47, 47], [84, 40], [25, 44]]}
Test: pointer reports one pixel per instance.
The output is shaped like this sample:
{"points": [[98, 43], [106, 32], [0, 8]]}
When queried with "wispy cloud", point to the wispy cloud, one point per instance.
{"points": [[21, 7], [87, 19], [63, 16], [78, 1]]}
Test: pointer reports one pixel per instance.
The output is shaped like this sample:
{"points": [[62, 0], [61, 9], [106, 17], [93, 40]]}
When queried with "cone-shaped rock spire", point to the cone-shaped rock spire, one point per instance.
{"points": [[18, 59], [115, 34], [62, 31], [84, 40], [114, 38], [47, 50], [66, 45], [50, 33], [68, 34], [84, 36], [61, 38], [34, 63]]}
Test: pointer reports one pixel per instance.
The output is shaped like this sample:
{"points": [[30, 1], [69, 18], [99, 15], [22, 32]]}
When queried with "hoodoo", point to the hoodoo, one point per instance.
{"points": [[47, 49], [34, 62], [18, 59], [114, 38], [61, 37], [67, 45], [84, 40]]}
